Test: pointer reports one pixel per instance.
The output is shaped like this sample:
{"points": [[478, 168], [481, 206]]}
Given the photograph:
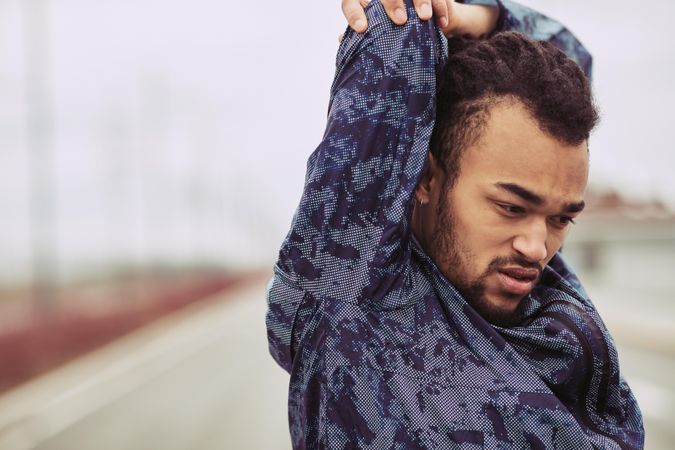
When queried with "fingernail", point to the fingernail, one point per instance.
{"points": [[360, 25], [425, 11], [444, 22], [400, 15]]}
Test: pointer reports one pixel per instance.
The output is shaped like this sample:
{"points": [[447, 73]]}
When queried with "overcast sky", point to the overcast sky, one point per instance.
{"points": [[178, 127]]}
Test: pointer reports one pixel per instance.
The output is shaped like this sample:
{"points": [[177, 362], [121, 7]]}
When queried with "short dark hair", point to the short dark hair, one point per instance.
{"points": [[480, 73]]}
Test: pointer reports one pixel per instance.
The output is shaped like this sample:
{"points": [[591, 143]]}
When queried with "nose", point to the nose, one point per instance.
{"points": [[531, 242]]}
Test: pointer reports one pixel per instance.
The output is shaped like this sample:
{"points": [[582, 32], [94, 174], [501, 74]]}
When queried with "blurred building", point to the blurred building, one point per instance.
{"points": [[624, 242]]}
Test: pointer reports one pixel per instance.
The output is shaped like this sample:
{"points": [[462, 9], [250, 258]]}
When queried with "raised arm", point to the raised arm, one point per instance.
{"points": [[350, 231], [361, 176]]}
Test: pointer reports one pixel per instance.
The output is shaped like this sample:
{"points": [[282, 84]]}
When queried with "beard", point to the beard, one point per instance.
{"points": [[474, 294], [455, 261]]}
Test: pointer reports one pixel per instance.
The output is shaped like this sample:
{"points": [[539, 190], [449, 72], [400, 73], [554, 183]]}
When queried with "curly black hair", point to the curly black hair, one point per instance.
{"points": [[481, 73]]}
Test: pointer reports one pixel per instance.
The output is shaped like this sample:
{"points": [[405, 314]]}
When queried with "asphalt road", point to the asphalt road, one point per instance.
{"points": [[199, 380], [202, 379]]}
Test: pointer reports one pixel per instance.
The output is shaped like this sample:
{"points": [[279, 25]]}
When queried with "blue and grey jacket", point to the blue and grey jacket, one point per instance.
{"points": [[383, 351]]}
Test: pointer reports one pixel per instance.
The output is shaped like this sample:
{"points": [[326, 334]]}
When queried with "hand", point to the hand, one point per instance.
{"points": [[453, 18], [353, 11]]}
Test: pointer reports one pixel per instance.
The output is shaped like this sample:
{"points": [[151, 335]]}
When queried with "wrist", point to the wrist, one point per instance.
{"points": [[474, 20]]}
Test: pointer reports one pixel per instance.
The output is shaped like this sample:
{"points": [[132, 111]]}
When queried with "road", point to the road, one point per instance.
{"points": [[202, 379]]}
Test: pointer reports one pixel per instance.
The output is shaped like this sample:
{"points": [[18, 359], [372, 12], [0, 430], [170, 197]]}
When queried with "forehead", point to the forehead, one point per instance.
{"points": [[513, 149]]}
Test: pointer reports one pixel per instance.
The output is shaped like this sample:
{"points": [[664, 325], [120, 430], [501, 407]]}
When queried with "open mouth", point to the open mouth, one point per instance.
{"points": [[518, 280]]}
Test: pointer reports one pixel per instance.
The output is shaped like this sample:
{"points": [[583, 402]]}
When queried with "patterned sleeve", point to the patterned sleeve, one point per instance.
{"points": [[516, 17], [352, 222], [536, 25], [349, 234]]}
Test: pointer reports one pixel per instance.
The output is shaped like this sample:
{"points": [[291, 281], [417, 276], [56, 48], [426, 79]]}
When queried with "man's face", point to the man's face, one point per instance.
{"points": [[507, 214]]}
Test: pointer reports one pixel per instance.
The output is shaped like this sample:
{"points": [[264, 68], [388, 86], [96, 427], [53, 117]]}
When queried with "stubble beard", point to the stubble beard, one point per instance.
{"points": [[454, 261]]}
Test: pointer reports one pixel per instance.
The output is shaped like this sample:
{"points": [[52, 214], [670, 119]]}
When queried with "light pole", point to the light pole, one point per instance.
{"points": [[41, 183]]}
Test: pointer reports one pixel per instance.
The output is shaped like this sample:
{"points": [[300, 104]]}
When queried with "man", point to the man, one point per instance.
{"points": [[419, 300]]}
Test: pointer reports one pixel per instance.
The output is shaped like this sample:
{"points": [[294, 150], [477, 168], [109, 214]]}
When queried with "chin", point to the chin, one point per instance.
{"points": [[504, 301], [500, 310]]}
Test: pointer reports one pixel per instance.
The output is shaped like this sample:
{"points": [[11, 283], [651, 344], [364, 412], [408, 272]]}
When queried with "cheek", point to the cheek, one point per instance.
{"points": [[481, 236], [491, 231], [482, 233]]}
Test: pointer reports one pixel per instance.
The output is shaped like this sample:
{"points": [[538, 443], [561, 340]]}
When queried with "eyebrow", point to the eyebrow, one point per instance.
{"points": [[535, 199], [521, 192], [575, 207]]}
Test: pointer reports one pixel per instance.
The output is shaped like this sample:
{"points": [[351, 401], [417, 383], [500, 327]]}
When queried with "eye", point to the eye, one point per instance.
{"points": [[511, 210], [563, 221]]}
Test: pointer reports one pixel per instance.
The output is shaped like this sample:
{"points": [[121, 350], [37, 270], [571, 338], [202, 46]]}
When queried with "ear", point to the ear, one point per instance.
{"points": [[430, 178]]}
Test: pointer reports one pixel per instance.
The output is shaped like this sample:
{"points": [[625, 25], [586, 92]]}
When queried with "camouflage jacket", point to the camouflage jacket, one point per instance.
{"points": [[382, 351]]}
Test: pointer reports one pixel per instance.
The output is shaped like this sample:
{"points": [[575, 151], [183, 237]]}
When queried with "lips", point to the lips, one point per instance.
{"points": [[518, 280]]}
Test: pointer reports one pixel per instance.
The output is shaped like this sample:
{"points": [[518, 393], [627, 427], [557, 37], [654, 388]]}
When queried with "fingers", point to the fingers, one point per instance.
{"points": [[353, 12], [423, 8], [440, 12], [396, 10], [454, 21]]}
